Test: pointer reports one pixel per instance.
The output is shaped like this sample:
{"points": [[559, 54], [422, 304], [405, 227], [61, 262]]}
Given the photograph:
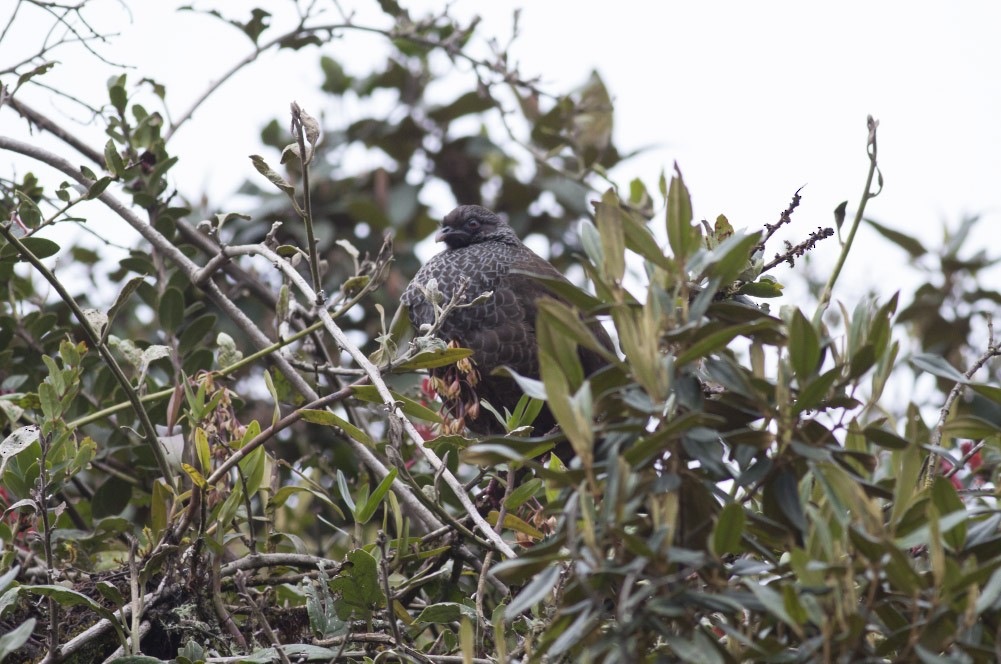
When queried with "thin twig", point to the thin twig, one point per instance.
{"points": [[935, 439], [269, 633], [303, 124], [784, 219], [42, 499], [380, 541], [867, 194]]}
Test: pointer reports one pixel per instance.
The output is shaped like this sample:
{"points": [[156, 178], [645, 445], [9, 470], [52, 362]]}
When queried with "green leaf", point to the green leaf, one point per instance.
{"points": [[67, 597], [906, 242], [523, 494], [28, 211], [884, 438], [439, 357], [947, 501], [991, 392], [719, 339], [127, 290], [15, 638], [117, 94], [365, 512], [410, 407], [568, 324], [111, 497], [764, 287], [253, 466], [98, 187], [990, 594], [277, 414], [467, 104], [946, 523], [608, 218], [326, 418], [273, 176], [577, 430], [512, 522], [50, 401], [564, 289], [171, 309], [729, 530], [773, 602], [804, 346], [445, 612], [112, 160], [534, 592], [18, 441], [195, 332], [937, 365], [358, 584], [38, 246], [680, 233], [27, 76], [969, 426], [814, 391]]}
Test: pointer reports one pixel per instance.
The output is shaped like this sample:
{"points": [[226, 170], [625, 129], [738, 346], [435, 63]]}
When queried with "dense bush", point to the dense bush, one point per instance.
{"points": [[236, 459]]}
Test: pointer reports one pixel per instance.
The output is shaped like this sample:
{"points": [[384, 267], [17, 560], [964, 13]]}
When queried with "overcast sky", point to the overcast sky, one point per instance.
{"points": [[752, 100]]}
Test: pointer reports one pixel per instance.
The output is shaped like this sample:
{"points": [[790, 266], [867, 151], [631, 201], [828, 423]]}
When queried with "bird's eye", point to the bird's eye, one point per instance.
{"points": [[473, 224]]}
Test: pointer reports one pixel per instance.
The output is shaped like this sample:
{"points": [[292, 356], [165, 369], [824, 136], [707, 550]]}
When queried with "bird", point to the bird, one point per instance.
{"points": [[484, 254]]}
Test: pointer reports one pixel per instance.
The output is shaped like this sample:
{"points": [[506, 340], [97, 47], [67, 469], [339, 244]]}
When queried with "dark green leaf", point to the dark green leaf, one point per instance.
{"points": [[434, 358], [804, 346], [718, 340], [608, 219], [909, 244], [523, 494], [358, 584], [534, 592], [12, 641], [884, 438], [111, 498], [409, 406], [171, 309], [729, 529], [680, 232], [38, 246], [445, 613], [196, 332], [764, 287], [364, 512], [970, 426], [936, 364], [947, 501], [326, 418]]}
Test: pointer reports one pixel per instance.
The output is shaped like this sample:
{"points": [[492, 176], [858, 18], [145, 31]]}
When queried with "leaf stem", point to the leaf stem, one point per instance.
{"points": [[867, 194], [299, 130]]}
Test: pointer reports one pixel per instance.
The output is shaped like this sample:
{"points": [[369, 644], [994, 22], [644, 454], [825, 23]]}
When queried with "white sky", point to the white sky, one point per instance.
{"points": [[752, 100]]}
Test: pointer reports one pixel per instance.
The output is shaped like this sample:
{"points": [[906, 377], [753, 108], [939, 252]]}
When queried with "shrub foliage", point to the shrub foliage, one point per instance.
{"points": [[233, 455]]}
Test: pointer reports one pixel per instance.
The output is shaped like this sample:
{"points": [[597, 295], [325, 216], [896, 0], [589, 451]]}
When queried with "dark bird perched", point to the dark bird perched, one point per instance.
{"points": [[484, 253]]}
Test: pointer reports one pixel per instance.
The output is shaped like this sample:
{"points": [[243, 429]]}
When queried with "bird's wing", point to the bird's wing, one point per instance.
{"points": [[524, 278]]}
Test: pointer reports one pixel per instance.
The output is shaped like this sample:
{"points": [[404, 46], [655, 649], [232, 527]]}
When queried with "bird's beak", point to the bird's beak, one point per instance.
{"points": [[443, 233]]}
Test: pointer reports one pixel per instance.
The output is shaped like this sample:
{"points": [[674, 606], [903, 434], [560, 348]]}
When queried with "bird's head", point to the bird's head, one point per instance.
{"points": [[469, 224]]}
